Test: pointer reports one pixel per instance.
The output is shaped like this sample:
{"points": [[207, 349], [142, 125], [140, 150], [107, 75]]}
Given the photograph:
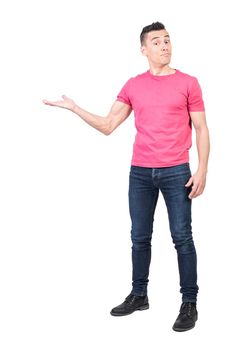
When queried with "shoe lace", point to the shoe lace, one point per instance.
{"points": [[130, 299], [187, 308]]}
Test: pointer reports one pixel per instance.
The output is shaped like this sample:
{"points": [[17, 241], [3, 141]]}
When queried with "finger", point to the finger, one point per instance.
{"points": [[189, 183], [196, 194], [199, 191], [49, 102], [54, 103], [192, 193]]}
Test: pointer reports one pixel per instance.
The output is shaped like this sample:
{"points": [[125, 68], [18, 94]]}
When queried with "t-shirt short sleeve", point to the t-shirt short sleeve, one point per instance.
{"points": [[124, 94], [195, 99]]}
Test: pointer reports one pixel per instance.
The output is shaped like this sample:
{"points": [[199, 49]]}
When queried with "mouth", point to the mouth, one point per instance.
{"points": [[165, 54]]}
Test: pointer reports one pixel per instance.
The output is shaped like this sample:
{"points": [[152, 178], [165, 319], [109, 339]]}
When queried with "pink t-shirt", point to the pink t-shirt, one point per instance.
{"points": [[161, 107]]}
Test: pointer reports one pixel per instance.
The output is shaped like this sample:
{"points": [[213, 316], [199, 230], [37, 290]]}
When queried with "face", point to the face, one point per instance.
{"points": [[157, 47]]}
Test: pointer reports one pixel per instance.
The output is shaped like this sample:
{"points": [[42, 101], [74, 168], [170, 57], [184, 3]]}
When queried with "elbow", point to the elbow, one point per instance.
{"points": [[201, 129], [107, 128], [107, 132]]}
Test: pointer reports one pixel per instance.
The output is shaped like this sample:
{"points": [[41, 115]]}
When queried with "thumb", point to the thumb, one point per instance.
{"points": [[189, 183], [65, 97]]}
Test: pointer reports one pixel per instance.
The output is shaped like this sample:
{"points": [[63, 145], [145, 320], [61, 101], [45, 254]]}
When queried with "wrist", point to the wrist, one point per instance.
{"points": [[73, 108], [202, 170]]}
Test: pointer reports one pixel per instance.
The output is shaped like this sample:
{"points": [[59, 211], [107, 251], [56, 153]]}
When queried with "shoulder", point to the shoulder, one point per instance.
{"points": [[136, 81], [189, 79], [140, 76], [190, 82], [133, 80], [186, 76]]}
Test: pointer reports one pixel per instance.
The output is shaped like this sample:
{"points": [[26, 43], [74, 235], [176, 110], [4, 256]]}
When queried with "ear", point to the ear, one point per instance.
{"points": [[143, 50]]}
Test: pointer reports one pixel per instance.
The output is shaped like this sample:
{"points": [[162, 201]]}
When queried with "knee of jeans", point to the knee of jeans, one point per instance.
{"points": [[141, 243], [184, 245]]}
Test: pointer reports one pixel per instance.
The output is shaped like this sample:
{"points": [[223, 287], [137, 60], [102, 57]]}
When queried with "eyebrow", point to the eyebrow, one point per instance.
{"points": [[157, 37]]}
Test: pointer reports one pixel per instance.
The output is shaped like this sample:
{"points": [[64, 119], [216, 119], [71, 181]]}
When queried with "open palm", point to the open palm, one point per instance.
{"points": [[65, 103]]}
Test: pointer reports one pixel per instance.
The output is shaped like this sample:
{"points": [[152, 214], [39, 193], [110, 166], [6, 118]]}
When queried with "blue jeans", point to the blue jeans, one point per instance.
{"points": [[144, 186]]}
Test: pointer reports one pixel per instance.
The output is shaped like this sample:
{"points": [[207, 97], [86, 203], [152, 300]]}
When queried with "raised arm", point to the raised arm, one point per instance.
{"points": [[117, 114]]}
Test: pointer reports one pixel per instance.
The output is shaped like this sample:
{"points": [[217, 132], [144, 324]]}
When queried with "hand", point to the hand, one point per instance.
{"points": [[65, 103], [199, 181]]}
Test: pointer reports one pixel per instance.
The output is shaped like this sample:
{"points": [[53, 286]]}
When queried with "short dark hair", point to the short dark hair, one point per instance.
{"points": [[149, 28]]}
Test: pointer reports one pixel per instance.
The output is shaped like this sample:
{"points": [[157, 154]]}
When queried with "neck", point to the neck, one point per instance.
{"points": [[162, 70]]}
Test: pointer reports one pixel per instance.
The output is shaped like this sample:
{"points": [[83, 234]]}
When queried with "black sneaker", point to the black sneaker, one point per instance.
{"points": [[187, 317], [131, 304]]}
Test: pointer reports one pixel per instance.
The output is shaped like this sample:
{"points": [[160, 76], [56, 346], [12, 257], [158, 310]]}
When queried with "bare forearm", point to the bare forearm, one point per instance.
{"points": [[97, 122], [203, 148]]}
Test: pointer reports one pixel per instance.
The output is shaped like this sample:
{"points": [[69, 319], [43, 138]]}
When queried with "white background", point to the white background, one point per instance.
{"points": [[65, 250]]}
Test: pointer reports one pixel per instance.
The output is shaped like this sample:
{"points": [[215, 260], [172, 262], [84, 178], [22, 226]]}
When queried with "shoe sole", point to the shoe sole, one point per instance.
{"points": [[182, 330], [140, 308]]}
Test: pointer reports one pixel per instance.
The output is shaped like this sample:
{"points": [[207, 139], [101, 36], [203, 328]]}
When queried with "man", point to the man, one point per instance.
{"points": [[166, 103]]}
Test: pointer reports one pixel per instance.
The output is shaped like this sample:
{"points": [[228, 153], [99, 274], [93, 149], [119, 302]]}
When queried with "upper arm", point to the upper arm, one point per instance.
{"points": [[118, 113], [196, 107], [198, 119]]}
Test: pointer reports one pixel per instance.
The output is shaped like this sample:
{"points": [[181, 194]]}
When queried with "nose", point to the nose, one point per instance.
{"points": [[164, 47]]}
